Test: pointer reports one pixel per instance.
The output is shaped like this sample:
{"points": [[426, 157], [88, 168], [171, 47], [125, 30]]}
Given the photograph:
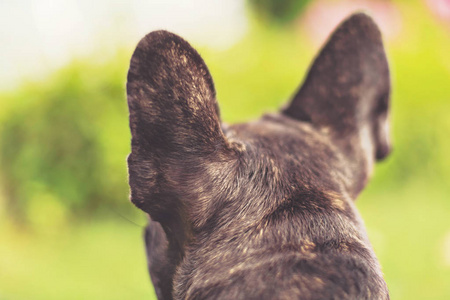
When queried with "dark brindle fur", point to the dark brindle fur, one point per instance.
{"points": [[260, 210]]}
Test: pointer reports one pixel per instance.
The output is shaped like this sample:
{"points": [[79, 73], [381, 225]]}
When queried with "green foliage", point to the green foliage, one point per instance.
{"points": [[279, 11], [64, 143]]}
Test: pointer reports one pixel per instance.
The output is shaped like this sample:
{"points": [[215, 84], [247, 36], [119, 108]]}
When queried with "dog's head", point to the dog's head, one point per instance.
{"points": [[197, 176]]}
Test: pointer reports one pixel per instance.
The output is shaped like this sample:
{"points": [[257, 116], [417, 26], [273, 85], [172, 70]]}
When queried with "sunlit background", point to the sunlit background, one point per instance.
{"points": [[67, 229]]}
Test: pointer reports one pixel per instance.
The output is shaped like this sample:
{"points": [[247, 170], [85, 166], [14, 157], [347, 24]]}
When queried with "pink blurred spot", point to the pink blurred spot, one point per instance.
{"points": [[440, 8], [322, 16]]}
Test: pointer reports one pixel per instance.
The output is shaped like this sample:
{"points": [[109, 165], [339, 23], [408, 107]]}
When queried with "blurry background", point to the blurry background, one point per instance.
{"points": [[67, 229]]}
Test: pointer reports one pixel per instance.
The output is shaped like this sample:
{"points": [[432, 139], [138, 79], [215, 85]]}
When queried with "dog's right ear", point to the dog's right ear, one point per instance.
{"points": [[347, 89], [175, 125]]}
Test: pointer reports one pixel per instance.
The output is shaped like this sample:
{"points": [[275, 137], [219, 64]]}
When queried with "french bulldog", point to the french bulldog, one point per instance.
{"points": [[264, 209]]}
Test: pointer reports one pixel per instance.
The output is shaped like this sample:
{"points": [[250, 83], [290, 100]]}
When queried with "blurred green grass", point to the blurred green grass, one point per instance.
{"points": [[93, 260], [64, 141]]}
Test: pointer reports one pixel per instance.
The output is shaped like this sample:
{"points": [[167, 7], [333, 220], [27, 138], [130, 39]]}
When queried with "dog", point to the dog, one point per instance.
{"points": [[265, 209]]}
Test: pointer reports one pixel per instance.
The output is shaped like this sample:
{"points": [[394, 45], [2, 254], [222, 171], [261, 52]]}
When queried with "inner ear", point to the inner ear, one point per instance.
{"points": [[382, 129], [346, 82]]}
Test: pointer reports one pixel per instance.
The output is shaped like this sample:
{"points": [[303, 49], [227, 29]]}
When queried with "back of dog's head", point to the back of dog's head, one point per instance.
{"points": [[261, 210]]}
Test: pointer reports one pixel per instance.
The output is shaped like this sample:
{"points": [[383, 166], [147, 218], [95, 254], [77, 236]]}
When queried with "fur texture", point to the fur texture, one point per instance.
{"points": [[260, 210]]}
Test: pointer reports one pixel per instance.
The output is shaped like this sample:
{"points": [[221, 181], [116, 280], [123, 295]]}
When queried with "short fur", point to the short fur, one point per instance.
{"points": [[259, 210]]}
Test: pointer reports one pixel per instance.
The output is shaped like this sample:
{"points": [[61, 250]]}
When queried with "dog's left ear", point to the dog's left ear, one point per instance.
{"points": [[175, 127], [347, 89]]}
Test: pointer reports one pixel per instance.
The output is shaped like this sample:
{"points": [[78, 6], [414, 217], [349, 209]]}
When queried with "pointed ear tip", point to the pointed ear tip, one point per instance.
{"points": [[361, 19], [360, 16], [161, 34], [159, 42], [160, 37]]}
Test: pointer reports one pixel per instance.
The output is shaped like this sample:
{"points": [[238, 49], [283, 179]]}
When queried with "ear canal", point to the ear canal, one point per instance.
{"points": [[351, 72]]}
